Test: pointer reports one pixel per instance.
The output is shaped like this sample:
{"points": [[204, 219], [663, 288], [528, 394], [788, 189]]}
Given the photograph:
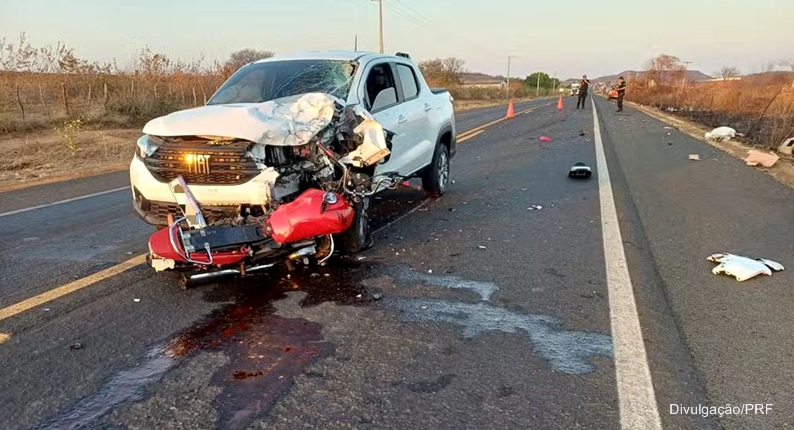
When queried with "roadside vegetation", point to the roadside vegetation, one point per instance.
{"points": [[761, 106], [61, 114]]}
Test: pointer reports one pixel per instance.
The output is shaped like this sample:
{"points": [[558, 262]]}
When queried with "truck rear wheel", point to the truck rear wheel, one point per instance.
{"points": [[435, 179]]}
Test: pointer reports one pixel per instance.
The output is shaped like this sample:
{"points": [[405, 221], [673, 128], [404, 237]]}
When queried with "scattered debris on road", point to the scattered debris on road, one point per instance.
{"points": [[535, 207], [75, 346], [787, 147], [545, 139], [765, 159], [136, 300], [669, 143], [722, 134], [4, 337], [695, 157], [581, 132], [482, 247], [743, 268], [580, 170]]}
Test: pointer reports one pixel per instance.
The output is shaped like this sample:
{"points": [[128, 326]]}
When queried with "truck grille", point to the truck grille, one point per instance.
{"points": [[212, 214], [201, 162]]}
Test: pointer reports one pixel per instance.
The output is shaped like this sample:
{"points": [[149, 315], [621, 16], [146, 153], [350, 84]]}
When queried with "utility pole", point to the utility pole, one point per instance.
{"points": [[509, 57], [355, 44], [380, 12]]}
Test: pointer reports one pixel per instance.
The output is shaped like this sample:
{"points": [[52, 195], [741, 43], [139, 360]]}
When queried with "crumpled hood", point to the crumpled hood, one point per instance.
{"points": [[288, 121]]}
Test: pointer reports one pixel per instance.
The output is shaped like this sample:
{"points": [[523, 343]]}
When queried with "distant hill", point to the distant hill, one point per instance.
{"points": [[691, 75]]}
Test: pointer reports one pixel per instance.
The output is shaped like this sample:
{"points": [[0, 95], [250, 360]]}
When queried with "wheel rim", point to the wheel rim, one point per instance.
{"points": [[443, 170]]}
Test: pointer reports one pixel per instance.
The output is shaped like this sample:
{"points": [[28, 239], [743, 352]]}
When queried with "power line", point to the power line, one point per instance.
{"points": [[412, 11]]}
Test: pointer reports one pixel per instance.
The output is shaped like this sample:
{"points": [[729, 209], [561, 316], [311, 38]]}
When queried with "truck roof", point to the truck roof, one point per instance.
{"points": [[328, 55]]}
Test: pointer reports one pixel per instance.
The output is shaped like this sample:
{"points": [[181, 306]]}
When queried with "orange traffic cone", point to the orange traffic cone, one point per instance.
{"points": [[559, 103], [511, 111]]}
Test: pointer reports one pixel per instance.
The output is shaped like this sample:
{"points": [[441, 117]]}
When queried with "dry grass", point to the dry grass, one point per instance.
{"points": [[762, 109], [44, 156]]}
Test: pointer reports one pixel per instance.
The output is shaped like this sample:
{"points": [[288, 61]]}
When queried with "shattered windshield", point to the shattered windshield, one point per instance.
{"points": [[262, 82]]}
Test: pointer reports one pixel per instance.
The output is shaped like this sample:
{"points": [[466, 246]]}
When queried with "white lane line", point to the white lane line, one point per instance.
{"points": [[60, 202], [637, 401]]}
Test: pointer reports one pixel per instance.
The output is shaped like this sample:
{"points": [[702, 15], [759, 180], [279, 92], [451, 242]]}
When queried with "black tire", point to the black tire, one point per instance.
{"points": [[358, 237], [435, 179]]}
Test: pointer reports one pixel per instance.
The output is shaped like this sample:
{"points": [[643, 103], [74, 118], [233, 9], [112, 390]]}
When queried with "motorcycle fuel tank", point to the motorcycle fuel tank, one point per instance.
{"points": [[314, 213]]}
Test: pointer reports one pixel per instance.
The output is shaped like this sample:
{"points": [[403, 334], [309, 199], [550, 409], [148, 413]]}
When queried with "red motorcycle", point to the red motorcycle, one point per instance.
{"points": [[330, 213]]}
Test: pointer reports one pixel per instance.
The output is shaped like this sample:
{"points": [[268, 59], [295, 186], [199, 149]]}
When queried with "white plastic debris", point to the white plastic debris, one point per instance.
{"points": [[695, 157], [743, 268], [136, 300], [721, 134], [787, 147], [482, 247]]}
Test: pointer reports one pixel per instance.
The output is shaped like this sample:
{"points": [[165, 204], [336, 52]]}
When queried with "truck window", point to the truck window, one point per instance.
{"points": [[262, 82], [380, 87], [408, 81]]}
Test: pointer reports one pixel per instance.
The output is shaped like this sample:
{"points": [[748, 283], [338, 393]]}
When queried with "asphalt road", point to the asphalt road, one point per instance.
{"points": [[487, 308]]}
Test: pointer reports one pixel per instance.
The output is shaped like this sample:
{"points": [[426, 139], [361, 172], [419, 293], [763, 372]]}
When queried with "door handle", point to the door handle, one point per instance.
{"points": [[428, 107], [401, 119]]}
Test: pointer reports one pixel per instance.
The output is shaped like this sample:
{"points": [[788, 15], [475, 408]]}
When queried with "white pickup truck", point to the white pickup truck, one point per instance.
{"points": [[231, 150]]}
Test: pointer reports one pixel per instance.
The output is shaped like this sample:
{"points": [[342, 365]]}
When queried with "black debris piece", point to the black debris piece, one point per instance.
{"points": [[580, 171]]}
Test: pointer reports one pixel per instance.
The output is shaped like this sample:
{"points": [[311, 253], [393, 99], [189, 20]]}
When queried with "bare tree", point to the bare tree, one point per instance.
{"points": [[663, 68], [443, 71], [244, 56], [729, 72]]}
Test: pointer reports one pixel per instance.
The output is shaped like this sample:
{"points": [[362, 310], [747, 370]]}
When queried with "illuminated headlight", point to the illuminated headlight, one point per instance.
{"points": [[147, 145]]}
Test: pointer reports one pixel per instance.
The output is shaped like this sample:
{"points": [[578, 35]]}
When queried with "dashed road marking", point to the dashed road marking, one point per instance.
{"points": [[71, 287], [636, 397]]}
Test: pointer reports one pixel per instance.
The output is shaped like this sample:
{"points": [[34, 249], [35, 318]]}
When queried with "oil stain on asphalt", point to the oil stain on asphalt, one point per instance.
{"points": [[266, 351]]}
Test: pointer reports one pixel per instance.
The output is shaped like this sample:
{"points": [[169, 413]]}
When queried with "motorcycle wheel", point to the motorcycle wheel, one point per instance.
{"points": [[358, 237]]}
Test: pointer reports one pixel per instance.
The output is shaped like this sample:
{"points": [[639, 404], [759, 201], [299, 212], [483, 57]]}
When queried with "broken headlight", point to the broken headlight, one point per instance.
{"points": [[147, 145]]}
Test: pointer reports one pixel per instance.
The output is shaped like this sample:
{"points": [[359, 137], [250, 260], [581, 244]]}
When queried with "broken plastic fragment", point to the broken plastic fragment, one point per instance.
{"points": [[580, 170], [743, 268], [482, 247], [545, 139], [695, 157], [765, 159]]}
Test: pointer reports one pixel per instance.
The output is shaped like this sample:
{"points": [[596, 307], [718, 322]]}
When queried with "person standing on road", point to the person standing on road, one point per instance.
{"points": [[582, 91], [621, 92]]}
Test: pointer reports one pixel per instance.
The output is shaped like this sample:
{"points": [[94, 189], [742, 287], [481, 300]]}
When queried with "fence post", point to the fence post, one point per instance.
{"points": [[43, 101], [89, 96], [195, 102], [19, 100], [203, 93], [105, 97], [65, 98]]}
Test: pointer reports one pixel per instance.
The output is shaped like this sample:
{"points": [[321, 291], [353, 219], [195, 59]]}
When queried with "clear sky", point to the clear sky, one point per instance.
{"points": [[571, 37]]}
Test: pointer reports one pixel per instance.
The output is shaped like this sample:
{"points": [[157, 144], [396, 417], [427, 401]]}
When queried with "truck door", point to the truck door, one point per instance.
{"points": [[417, 111], [381, 98]]}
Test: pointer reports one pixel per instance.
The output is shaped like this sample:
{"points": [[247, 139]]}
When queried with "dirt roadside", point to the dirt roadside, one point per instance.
{"points": [[782, 171]]}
